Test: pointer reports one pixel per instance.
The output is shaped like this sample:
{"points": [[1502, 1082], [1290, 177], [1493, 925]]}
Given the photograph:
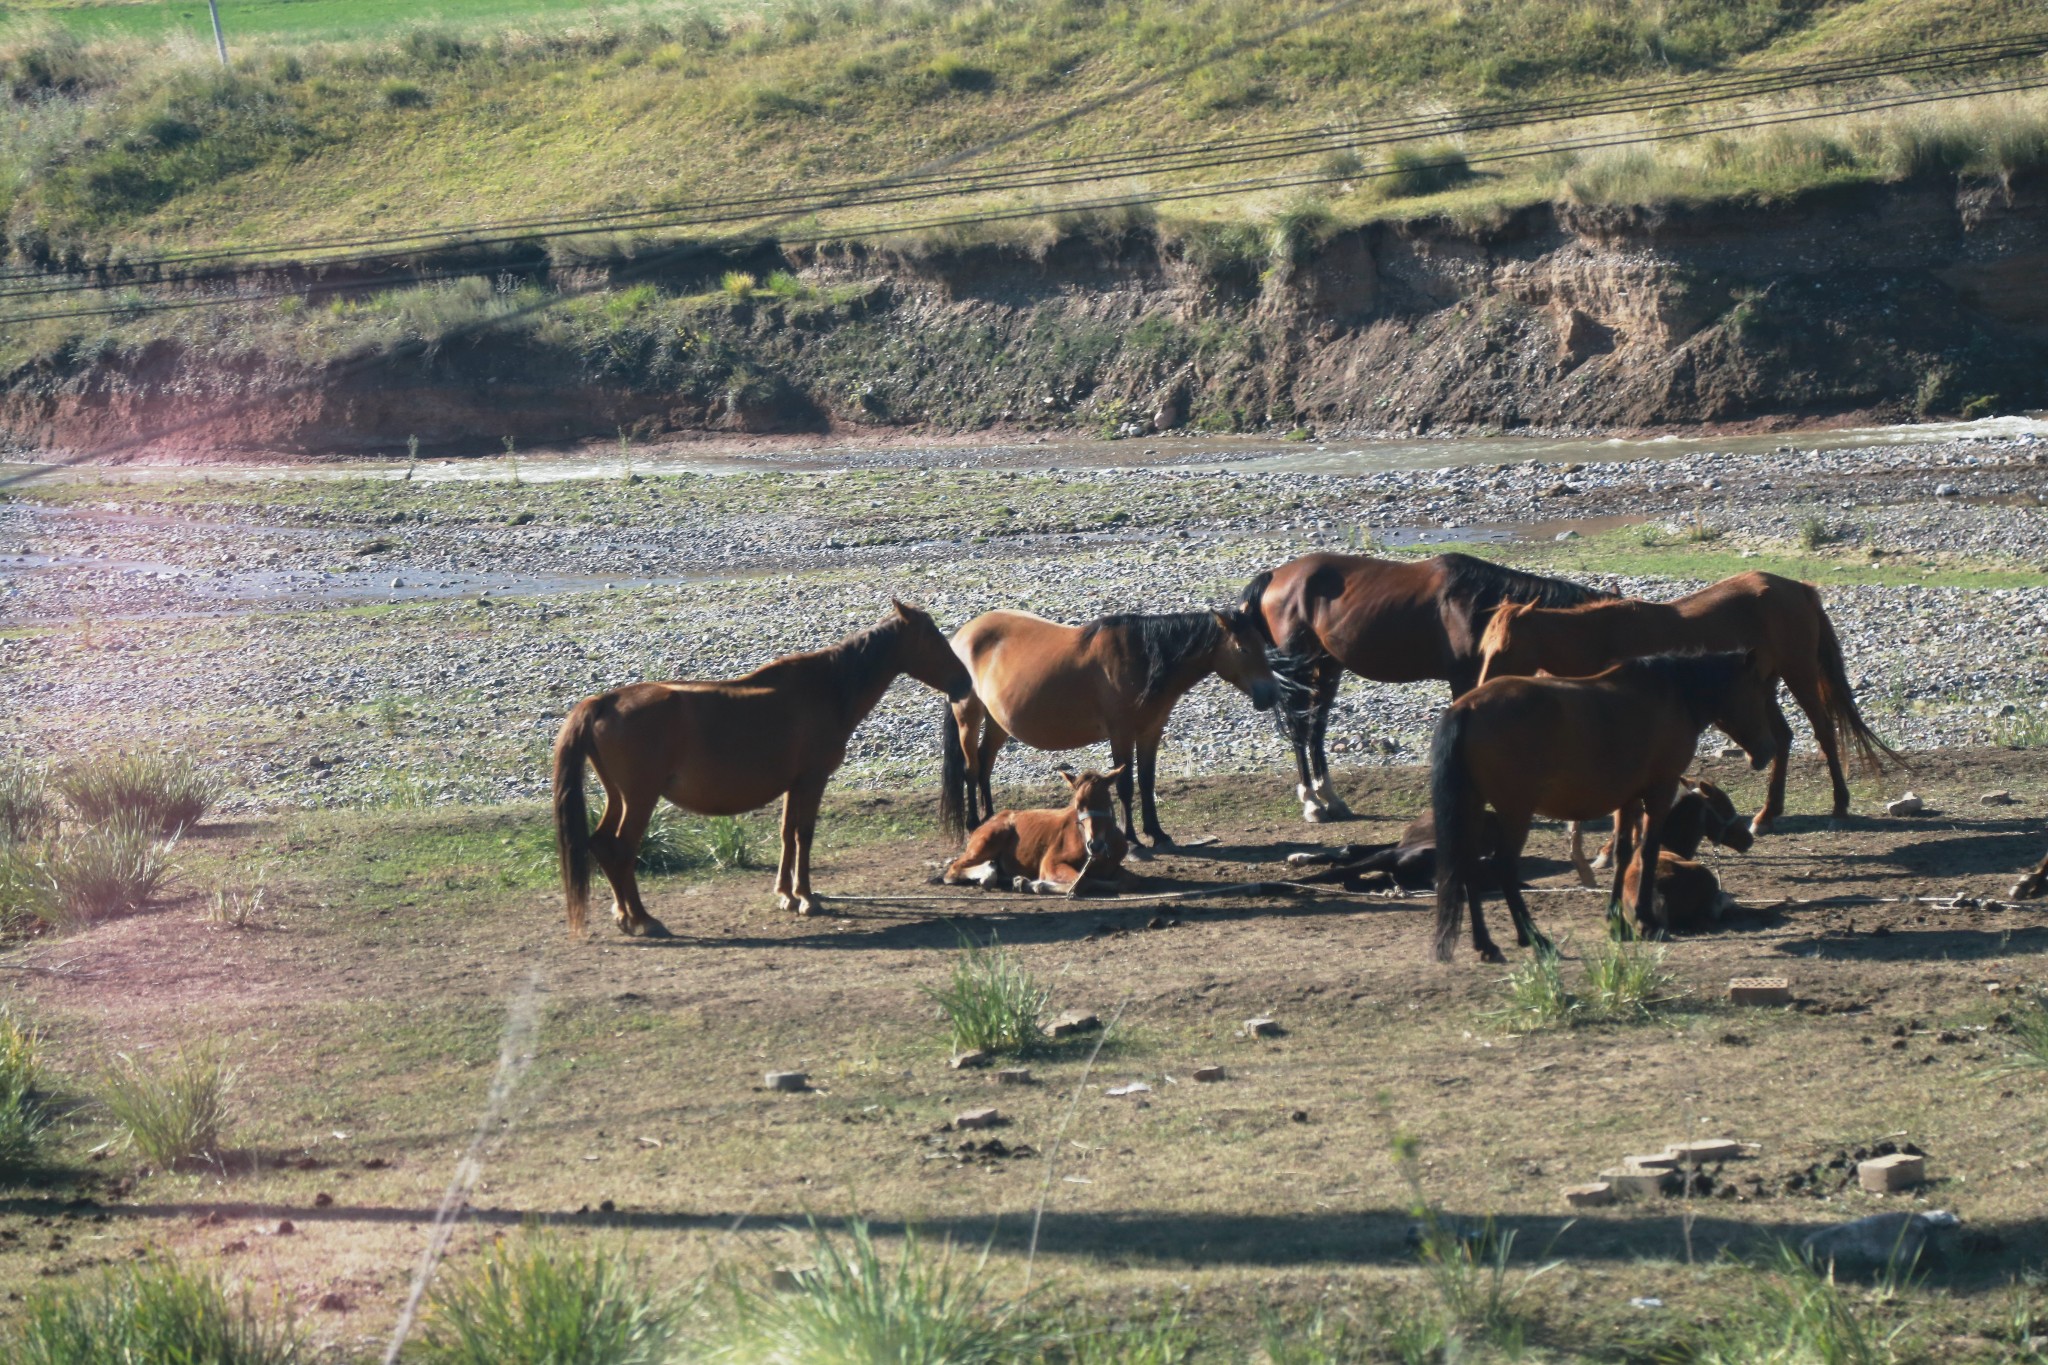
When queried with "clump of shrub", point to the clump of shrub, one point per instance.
{"points": [[163, 790], [738, 285], [23, 1120], [728, 844], [1619, 981], [1416, 171], [399, 93], [90, 872], [24, 802], [171, 1110], [992, 1003], [543, 1300], [158, 1311]]}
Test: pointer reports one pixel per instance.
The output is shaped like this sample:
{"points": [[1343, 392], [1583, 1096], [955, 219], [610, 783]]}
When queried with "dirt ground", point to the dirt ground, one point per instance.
{"points": [[397, 952]]}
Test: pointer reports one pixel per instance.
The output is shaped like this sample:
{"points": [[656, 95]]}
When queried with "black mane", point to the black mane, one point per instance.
{"points": [[1484, 586], [1701, 680], [1161, 643], [856, 659]]}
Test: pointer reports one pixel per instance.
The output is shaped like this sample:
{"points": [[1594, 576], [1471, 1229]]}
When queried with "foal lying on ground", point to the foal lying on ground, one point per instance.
{"points": [[1048, 851]]}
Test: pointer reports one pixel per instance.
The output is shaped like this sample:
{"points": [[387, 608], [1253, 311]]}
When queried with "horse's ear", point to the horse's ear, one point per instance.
{"points": [[1067, 774], [901, 610], [1114, 773]]}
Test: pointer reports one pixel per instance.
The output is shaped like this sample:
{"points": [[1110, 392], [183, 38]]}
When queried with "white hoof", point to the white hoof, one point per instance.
{"points": [[807, 905], [784, 901], [1314, 813], [1604, 862], [1302, 793]]}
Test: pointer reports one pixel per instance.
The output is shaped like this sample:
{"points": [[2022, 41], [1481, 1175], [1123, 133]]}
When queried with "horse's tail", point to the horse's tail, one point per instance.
{"points": [[1839, 701], [572, 817], [953, 795], [1450, 805]]}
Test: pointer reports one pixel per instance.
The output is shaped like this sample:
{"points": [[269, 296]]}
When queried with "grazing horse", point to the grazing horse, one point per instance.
{"points": [[1571, 749], [722, 747], [2033, 884], [1060, 687], [1780, 618], [1048, 851], [1389, 621]]}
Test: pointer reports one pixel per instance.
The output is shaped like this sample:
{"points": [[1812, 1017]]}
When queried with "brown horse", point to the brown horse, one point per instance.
{"points": [[1390, 621], [2033, 884], [1780, 618], [719, 748], [1572, 749], [1048, 851], [1060, 687], [1702, 811], [1688, 892]]}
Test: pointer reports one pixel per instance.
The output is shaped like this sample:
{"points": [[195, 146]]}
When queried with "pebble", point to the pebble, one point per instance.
{"points": [[787, 1080], [1207, 1074], [1997, 798], [977, 1118], [1909, 804]]}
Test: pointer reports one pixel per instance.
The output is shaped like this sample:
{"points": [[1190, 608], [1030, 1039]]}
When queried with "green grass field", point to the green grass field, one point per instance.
{"points": [[327, 21]]}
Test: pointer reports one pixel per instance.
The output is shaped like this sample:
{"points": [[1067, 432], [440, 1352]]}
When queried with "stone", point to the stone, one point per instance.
{"points": [[1661, 1161], [1633, 1184], [1589, 1196], [1880, 1240], [1569, 535], [974, 1056], [1884, 1174], [1909, 804], [787, 1080], [286, 1228], [786, 1279], [1997, 798], [977, 1118], [1704, 1150], [1134, 1088], [1013, 1075], [1760, 990], [1071, 1023], [1731, 751], [1262, 1027], [1208, 1073], [1947, 490]]}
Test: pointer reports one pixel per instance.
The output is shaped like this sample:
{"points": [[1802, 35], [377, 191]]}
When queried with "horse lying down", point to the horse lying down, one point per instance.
{"points": [[1702, 813], [1048, 852], [2033, 884]]}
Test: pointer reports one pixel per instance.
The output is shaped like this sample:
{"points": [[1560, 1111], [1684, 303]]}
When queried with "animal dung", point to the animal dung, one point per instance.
{"points": [[1760, 990], [1590, 1196], [1704, 1150], [1013, 1075], [977, 1118], [974, 1056], [788, 1080], [1884, 1174], [1909, 804], [1262, 1028], [1208, 1073], [1071, 1023], [1628, 1183], [1997, 798]]}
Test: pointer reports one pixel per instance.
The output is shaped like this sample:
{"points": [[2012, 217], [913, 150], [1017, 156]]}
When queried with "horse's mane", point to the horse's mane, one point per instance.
{"points": [[1161, 643], [856, 659], [1701, 680], [1485, 585]]}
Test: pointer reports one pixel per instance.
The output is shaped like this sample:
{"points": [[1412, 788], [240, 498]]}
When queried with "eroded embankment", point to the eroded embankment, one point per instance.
{"points": [[1884, 300]]}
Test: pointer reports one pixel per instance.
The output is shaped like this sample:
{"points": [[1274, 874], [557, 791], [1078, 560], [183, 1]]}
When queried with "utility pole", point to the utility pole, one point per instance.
{"points": [[219, 39]]}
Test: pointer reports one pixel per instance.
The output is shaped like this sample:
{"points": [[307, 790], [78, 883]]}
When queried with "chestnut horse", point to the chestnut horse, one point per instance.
{"points": [[1048, 851], [1060, 687], [1391, 621], [1573, 749], [1701, 811], [2033, 884], [1780, 618], [722, 747]]}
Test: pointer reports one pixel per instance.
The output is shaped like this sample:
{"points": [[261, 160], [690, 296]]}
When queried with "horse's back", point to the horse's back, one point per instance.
{"points": [[1037, 678]]}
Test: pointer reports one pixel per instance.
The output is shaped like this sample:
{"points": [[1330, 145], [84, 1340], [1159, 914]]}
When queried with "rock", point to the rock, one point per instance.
{"points": [[787, 1080], [1947, 490], [1590, 1196], [334, 1301], [1997, 798], [1071, 1023], [787, 1279], [1882, 1239], [1208, 1073], [1171, 412], [1628, 1183], [1117, 1092], [1909, 804], [1760, 990], [323, 1200], [1570, 535], [1013, 1075], [1661, 1161], [977, 1118], [1886, 1174], [1731, 751], [1262, 1027], [1704, 1150], [974, 1056], [286, 1228]]}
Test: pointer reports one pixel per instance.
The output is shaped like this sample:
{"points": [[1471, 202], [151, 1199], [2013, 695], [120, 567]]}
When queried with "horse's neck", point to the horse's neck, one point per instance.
{"points": [[863, 677], [1613, 631]]}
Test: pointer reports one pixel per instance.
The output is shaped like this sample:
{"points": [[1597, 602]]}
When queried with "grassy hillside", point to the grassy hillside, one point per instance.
{"points": [[119, 143]]}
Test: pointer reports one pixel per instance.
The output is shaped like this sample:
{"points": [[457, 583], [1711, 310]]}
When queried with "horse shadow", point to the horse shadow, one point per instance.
{"points": [[1921, 945]]}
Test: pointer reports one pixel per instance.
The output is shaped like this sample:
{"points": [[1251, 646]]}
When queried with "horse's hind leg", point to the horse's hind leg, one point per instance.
{"points": [[993, 737], [1507, 863], [1830, 742], [1148, 765], [615, 845], [1774, 799], [799, 823]]}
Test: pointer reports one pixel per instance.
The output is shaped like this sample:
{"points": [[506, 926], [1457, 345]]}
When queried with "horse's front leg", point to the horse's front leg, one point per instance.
{"points": [[1507, 863], [1649, 922], [1582, 868], [1126, 783], [1148, 765], [785, 868], [804, 801], [1329, 676]]}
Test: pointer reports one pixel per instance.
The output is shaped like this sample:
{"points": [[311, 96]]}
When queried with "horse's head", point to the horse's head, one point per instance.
{"points": [[1748, 712], [1509, 647], [928, 655], [1724, 825], [1240, 659], [2033, 884], [1093, 808]]}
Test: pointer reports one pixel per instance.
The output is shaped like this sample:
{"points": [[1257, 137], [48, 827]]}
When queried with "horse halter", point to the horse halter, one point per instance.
{"points": [[1086, 817]]}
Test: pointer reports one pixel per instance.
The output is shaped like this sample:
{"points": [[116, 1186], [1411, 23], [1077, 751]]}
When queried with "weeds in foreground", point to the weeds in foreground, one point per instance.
{"points": [[2029, 1038], [545, 1300], [1798, 1316], [1815, 532], [728, 844], [92, 872], [231, 908], [672, 845], [852, 1308], [2025, 728], [24, 802], [738, 285], [158, 1311], [1163, 1339], [1626, 980], [23, 1121], [1619, 982], [1537, 995], [171, 1110], [165, 791], [992, 1002]]}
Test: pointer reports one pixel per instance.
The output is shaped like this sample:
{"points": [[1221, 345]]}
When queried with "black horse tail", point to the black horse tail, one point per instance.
{"points": [[1839, 701], [1453, 809], [954, 794], [572, 815]]}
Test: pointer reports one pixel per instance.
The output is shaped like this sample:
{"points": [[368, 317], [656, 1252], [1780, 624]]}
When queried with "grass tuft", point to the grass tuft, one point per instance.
{"points": [[92, 873], [1537, 995], [992, 1002], [2029, 1038], [165, 789], [154, 1312], [1797, 1316], [24, 801], [173, 1110], [1626, 980], [2025, 728], [23, 1120], [544, 1300], [728, 844]]}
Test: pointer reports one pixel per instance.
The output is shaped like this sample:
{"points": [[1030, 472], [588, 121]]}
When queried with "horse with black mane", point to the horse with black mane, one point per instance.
{"points": [[1574, 749], [1056, 686], [1389, 621]]}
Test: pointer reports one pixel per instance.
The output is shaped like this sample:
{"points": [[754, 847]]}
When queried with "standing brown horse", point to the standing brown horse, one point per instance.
{"points": [[1048, 851], [1780, 618], [1060, 687], [1573, 749], [1387, 620], [719, 748]]}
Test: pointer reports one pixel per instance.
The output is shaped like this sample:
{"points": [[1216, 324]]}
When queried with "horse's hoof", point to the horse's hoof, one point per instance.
{"points": [[807, 905], [654, 928], [1138, 852], [1315, 814], [1603, 863], [1335, 809], [784, 901], [1492, 956], [1159, 838], [1760, 825]]}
